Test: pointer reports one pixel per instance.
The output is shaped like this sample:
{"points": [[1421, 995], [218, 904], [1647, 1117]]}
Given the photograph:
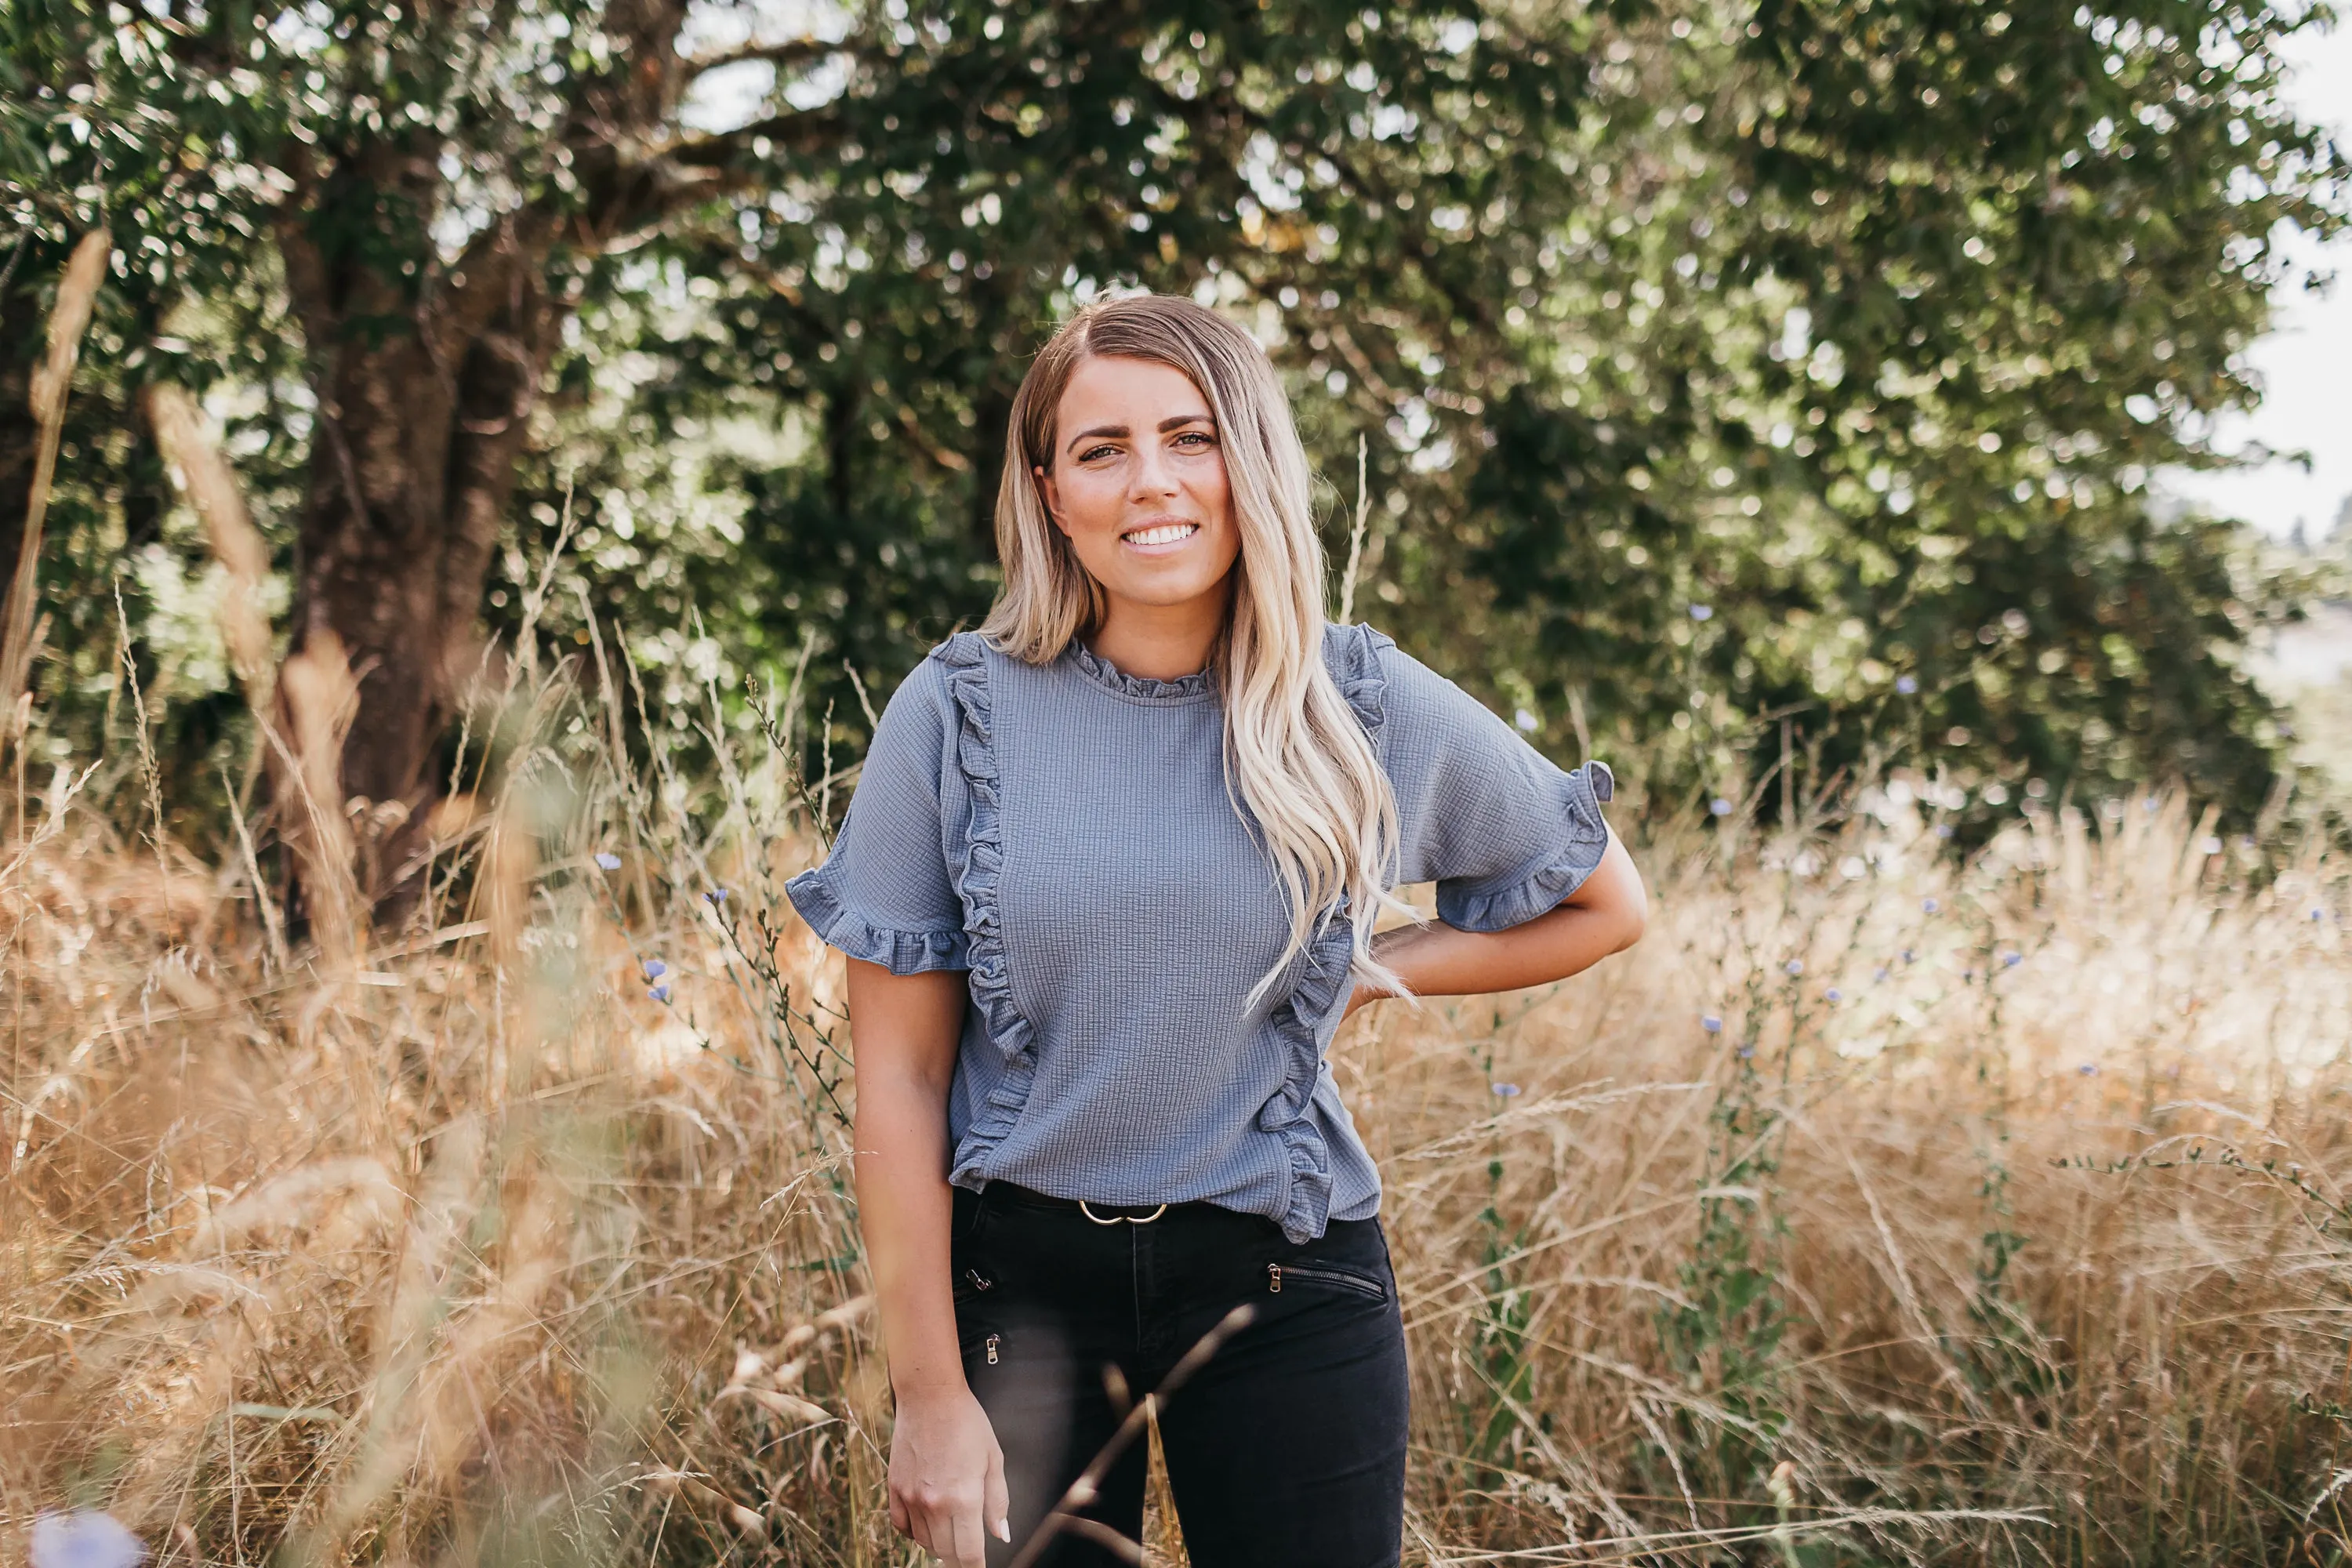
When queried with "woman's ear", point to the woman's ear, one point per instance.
{"points": [[1048, 489]]}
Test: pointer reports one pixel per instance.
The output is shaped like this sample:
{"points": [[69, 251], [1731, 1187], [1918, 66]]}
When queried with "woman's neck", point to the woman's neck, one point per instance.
{"points": [[1160, 642]]}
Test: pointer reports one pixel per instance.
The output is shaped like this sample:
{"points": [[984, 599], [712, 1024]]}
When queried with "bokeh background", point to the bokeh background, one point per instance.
{"points": [[469, 473]]}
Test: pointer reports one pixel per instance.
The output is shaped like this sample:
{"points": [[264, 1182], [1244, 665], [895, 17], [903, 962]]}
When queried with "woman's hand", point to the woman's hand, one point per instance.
{"points": [[947, 1475], [1603, 916]]}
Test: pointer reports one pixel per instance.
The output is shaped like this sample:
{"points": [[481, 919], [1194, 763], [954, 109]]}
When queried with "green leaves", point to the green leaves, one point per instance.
{"points": [[1863, 330]]}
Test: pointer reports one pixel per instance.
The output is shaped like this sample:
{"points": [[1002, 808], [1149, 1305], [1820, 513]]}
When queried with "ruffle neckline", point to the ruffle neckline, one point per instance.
{"points": [[1140, 687]]}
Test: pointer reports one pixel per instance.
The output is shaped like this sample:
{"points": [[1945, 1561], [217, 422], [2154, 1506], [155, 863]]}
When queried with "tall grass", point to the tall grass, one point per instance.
{"points": [[1878, 1208]]}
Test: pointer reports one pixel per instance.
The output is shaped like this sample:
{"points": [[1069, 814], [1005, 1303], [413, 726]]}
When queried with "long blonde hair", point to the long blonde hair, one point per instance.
{"points": [[1300, 761]]}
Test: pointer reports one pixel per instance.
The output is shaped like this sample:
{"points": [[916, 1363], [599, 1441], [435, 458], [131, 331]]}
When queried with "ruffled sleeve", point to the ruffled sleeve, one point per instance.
{"points": [[886, 893], [1505, 834]]}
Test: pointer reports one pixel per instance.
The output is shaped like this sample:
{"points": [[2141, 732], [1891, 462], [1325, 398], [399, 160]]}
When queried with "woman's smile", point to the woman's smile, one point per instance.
{"points": [[1161, 538]]}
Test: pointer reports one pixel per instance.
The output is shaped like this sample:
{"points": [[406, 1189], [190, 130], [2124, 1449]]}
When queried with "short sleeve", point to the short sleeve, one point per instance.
{"points": [[1505, 834], [885, 894]]}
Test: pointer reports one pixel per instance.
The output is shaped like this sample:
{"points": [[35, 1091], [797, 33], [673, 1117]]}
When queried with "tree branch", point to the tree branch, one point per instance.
{"points": [[801, 131], [790, 52]]}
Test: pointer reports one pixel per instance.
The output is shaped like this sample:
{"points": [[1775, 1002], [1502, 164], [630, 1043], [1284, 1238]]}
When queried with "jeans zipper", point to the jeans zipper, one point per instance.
{"points": [[1277, 1272], [991, 1350]]}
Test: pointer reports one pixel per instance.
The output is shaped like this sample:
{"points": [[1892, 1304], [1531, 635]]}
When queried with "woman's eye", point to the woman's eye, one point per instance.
{"points": [[1200, 438], [1091, 453]]}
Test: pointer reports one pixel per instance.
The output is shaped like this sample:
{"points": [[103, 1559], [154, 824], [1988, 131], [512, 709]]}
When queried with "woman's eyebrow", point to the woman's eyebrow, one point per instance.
{"points": [[1120, 432]]}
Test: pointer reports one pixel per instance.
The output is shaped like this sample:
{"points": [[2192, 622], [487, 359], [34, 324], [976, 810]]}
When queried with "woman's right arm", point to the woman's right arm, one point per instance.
{"points": [[946, 1473]]}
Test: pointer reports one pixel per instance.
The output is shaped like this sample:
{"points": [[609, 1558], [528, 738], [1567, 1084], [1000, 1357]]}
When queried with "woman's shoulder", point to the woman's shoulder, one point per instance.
{"points": [[1368, 663]]}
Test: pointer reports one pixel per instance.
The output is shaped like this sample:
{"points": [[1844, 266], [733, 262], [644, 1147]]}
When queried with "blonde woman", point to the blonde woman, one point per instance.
{"points": [[1108, 888]]}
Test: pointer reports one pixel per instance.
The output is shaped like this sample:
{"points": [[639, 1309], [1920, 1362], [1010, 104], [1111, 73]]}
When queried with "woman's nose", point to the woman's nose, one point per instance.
{"points": [[1153, 474]]}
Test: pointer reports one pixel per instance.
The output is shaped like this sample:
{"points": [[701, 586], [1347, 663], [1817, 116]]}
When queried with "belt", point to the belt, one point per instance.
{"points": [[1101, 1214]]}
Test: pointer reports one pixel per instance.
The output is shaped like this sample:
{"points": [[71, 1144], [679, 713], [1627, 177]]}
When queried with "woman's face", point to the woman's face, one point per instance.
{"points": [[1137, 483]]}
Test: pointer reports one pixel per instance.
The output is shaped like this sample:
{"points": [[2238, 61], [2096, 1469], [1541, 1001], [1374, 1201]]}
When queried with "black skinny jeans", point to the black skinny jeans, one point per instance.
{"points": [[1285, 1450]]}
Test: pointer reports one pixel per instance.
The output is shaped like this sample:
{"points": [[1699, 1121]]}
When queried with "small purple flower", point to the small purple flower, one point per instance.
{"points": [[656, 969], [660, 992], [1910, 956], [607, 861], [2012, 959], [1746, 1052], [2088, 1070], [1905, 684], [1719, 806], [1702, 612], [2318, 914], [1943, 830], [1506, 1090], [1795, 967], [717, 896], [1880, 974], [84, 1539], [1711, 1024], [1931, 905], [1834, 994]]}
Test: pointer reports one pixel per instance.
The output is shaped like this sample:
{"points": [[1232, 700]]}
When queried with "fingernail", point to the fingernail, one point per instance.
{"points": [[1004, 1530]]}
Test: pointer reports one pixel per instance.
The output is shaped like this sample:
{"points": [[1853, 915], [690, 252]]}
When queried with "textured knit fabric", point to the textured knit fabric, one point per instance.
{"points": [[1064, 832]]}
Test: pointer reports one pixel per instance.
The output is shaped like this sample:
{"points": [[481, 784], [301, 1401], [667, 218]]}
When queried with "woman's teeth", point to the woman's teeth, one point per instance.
{"points": [[1167, 534]]}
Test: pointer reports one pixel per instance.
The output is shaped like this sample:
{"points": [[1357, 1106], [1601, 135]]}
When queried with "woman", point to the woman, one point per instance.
{"points": [[1108, 888]]}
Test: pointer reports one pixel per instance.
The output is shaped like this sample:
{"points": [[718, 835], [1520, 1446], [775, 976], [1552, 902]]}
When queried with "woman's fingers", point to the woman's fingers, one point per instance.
{"points": [[971, 1545], [996, 1502]]}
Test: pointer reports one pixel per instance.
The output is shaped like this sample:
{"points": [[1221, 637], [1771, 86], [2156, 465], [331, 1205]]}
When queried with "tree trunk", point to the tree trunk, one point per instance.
{"points": [[424, 398], [20, 350]]}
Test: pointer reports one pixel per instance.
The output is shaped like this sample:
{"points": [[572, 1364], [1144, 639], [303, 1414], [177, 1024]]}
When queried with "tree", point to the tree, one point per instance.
{"points": [[1854, 327], [433, 187]]}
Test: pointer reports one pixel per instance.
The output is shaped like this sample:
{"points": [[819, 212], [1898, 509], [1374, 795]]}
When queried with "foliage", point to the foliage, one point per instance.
{"points": [[1715, 364]]}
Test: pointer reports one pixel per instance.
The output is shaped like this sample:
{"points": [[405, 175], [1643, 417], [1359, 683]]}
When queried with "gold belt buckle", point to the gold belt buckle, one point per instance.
{"points": [[1121, 1218]]}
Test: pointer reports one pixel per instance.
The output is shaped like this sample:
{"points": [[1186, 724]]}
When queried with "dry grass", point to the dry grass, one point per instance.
{"points": [[470, 1248]]}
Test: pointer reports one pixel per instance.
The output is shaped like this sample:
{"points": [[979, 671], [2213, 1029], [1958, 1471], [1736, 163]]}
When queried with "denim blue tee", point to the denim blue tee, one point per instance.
{"points": [[1064, 832]]}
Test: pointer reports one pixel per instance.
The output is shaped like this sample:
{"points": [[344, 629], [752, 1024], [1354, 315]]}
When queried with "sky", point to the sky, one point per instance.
{"points": [[2306, 360]]}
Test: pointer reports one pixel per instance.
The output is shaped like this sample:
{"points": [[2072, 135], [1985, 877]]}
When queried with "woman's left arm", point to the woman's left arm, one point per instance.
{"points": [[1605, 915]]}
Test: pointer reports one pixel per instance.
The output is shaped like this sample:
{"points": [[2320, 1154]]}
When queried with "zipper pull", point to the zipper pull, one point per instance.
{"points": [[1274, 1279], [991, 1350], [978, 1283]]}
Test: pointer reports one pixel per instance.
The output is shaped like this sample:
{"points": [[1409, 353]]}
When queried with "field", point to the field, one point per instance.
{"points": [[1880, 1207]]}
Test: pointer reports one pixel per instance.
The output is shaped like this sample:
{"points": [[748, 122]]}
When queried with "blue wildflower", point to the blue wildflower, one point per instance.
{"points": [[717, 896], [2088, 1070], [1905, 684], [1719, 806], [1943, 830], [1931, 905], [1702, 612], [2318, 914], [1711, 1024], [660, 992], [1795, 966], [656, 969], [1910, 956], [1507, 1090], [2012, 959], [607, 861], [1834, 994], [1746, 1052], [1880, 974], [84, 1539]]}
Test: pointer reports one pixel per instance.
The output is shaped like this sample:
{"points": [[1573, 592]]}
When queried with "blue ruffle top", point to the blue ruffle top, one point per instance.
{"points": [[1064, 831]]}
